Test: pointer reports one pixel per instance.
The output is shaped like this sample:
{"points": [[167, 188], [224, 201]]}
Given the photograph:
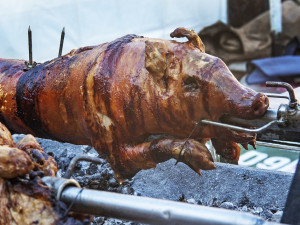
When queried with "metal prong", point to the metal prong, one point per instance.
{"points": [[77, 158], [61, 42], [30, 47]]}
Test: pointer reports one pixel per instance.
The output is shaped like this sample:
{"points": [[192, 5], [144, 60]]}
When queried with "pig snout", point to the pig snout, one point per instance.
{"points": [[258, 107]]}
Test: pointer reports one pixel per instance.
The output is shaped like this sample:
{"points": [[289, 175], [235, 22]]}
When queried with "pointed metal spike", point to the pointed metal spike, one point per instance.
{"points": [[30, 46], [61, 42]]}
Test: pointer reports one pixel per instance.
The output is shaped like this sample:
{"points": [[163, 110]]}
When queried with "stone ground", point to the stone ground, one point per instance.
{"points": [[260, 192]]}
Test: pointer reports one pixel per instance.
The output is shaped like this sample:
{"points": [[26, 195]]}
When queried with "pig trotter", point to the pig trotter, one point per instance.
{"points": [[193, 38], [197, 156], [148, 154], [227, 149]]}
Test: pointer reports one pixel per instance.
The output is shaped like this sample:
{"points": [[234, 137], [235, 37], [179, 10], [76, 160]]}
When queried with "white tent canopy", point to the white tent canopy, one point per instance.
{"points": [[92, 22]]}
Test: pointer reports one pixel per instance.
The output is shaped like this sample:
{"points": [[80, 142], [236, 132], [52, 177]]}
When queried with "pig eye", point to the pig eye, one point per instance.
{"points": [[190, 84]]}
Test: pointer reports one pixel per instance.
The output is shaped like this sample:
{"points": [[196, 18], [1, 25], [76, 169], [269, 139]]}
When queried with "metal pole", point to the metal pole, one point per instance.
{"points": [[150, 210], [276, 26], [275, 16]]}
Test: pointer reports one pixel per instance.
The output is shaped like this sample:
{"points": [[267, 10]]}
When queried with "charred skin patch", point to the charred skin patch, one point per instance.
{"points": [[133, 110], [28, 89]]}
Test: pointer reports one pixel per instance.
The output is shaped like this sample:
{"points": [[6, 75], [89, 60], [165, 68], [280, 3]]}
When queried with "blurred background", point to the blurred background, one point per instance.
{"points": [[92, 22]]}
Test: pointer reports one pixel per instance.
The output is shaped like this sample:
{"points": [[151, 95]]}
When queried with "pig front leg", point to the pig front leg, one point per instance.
{"points": [[148, 154], [229, 150]]}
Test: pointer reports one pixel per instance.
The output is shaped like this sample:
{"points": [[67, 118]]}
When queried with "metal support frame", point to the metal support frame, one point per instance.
{"points": [[144, 209]]}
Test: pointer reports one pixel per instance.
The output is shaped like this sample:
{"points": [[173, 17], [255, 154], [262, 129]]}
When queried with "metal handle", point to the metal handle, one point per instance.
{"points": [[293, 101]]}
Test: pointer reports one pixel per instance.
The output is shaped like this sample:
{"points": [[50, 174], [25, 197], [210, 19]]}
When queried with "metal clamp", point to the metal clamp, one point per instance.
{"points": [[58, 184], [288, 114]]}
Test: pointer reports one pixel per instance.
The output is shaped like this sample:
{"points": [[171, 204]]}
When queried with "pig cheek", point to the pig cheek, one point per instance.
{"points": [[197, 108]]}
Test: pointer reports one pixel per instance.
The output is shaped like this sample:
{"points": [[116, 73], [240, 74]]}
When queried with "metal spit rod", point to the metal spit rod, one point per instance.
{"points": [[270, 118], [144, 209]]}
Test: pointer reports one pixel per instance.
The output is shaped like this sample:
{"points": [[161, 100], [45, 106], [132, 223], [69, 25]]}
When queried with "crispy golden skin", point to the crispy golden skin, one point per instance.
{"points": [[115, 95]]}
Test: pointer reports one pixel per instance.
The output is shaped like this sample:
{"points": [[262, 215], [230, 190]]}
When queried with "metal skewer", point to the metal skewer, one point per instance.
{"points": [[62, 37], [30, 46], [30, 64]]}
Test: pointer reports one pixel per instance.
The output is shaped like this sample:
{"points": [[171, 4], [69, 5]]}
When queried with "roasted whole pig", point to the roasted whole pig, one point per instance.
{"points": [[24, 199], [116, 95]]}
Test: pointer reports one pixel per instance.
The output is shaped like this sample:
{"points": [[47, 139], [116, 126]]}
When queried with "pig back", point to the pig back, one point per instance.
{"points": [[100, 95], [69, 98]]}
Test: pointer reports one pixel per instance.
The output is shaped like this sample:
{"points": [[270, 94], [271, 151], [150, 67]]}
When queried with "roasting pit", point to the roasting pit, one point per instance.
{"points": [[260, 192]]}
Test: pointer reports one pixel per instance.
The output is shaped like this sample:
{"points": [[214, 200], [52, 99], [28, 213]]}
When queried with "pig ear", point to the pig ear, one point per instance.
{"points": [[193, 38], [156, 59]]}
